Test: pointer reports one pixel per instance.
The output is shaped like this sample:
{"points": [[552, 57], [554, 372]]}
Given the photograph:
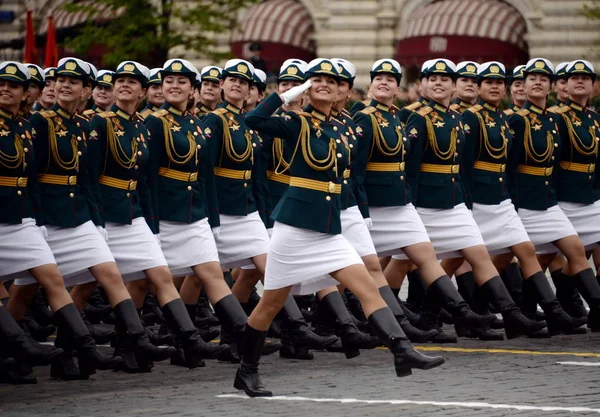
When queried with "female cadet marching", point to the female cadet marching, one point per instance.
{"points": [[22, 244], [36, 258], [488, 140], [433, 169], [240, 234], [533, 162], [177, 151], [119, 154], [576, 187], [75, 227], [355, 228], [379, 168], [209, 90], [306, 242]]}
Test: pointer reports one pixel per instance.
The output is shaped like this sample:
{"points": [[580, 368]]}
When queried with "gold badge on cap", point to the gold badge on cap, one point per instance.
{"points": [[540, 64], [128, 67], [494, 69], [214, 73], [292, 70], [326, 66], [440, 66], [33, 71], [51, 73], [340, 69], [579, 66], [242, 68], [11, 69], [71, 65], [386, 66], [176, 66], [471, 68], [107, 78]]}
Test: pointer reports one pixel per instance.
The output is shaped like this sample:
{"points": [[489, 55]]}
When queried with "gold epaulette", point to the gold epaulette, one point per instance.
{"points": [[523, 112], [414, 106], [509, 112], [302, 113], [475, 108], [366, 102], [368, 110], [220, 111], [107, 114], [425, 111], [145, 113], [559, 109], [48, 113], [395, 107], [89, 112], [455, 106], [160, 113]]}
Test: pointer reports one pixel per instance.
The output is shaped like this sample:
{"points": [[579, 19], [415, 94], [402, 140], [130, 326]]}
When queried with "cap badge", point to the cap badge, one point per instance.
{"points": [[176, 66], [292, 70], [11, 69], [386, 66], [71, 65], [326, 66], [540, 64], [129, 67], [494, 69], [242, 68], [214, 73]]}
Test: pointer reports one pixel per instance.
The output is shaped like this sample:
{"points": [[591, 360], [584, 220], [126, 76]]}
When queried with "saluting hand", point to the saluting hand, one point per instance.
{"points": [[295, 92]]}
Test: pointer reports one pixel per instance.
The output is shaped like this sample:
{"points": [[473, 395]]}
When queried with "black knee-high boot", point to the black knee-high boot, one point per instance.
{"points": [[193, 347], [414, 334], [79, 337], [233, 321], [515, 323], [20, 346], [429, 319], [567, 294], [297, 336], [558, 320], [467, 288], [590, 290], [416, 291], [246, 377], [406, 358], [352, 338], [132, 336]]}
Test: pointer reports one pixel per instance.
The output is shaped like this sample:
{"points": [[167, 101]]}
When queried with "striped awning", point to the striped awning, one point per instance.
{"points": [[463, 29], [100, 12], [277, 21]]}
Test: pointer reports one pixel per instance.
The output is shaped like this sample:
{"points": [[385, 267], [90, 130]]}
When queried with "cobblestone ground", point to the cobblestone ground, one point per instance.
{"points": [[520, 377]]}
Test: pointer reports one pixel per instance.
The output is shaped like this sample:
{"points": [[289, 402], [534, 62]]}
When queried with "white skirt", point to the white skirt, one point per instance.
{"points": [[185, 245], [585, 218], [500, 226], [240, 239], [355, 230], [450, 230], [22, 247], [135, 248], [251, 266], [302, 258], [395, 228], [545, 227], [76, 249]]}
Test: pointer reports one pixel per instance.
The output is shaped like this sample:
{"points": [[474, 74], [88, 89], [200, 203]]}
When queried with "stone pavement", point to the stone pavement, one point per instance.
{"points": [[509, 378]]}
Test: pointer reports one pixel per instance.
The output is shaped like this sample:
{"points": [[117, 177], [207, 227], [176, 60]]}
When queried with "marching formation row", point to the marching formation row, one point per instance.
{"points": [[134, 208]]}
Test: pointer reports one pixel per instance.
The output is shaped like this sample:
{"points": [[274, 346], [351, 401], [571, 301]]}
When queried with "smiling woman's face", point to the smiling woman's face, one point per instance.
{"points": [[537, 86], [235, 90], [324, 88], [441, 87], [384, 87], [177, 89]]}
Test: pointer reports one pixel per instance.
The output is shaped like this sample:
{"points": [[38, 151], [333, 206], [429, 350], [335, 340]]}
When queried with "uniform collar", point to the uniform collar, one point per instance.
{"points": [[232, 108], [122, 114], [487, 105], [173, 110], [422, 100], [62, 112], [515, 107], [462, 103], [437, 106], [152, 107], [203, 109], [379, 106], [6, 115], [335, 113], [575, 106], [316, 114], [533, 108]]}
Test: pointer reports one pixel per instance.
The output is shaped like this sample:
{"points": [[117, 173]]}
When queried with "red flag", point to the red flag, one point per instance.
{"points": [[51, 56], [29, 38]]}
